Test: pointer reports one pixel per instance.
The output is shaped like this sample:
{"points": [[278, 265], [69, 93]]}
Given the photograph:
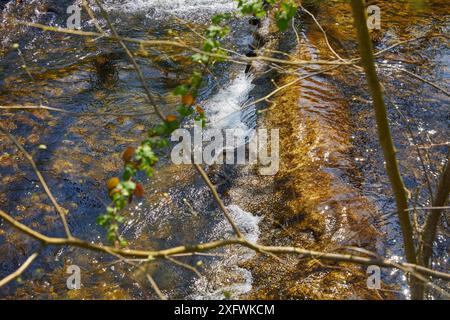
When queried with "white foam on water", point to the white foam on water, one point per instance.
{"points": [[224, 275], [224, 111], [178, 7]]}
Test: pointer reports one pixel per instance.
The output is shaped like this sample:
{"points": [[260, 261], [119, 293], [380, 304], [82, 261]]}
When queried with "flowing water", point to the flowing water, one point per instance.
{"points": [[327, 132]]}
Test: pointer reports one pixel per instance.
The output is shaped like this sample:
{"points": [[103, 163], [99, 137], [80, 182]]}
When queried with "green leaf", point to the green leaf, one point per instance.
{"points": [[129, 172], [123, 243], [218, 18], [287, 11], [161, 129]]}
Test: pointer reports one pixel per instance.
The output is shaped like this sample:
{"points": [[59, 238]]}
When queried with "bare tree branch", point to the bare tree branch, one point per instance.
{"points": [[384, 132], [218, 199], [323, 32], [133, 61], [156, 287], [19, 271]]}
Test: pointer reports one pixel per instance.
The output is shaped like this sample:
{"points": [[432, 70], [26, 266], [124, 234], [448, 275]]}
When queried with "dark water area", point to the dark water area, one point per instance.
{"points": [[81, 153]]}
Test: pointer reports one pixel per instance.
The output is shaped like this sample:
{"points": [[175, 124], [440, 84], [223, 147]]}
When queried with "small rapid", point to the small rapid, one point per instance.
{"points": [[223, 106]]}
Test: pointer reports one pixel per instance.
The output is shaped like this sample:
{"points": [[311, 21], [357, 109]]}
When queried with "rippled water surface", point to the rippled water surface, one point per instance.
{"points": [[341, 169]]}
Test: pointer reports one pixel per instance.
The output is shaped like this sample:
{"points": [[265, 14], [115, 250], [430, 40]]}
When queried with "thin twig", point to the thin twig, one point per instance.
{"points": [[288, 85], [241, 59], [419, 153], [324, 33], [434, 85], [59, 209], [218, 200], [78, 114], [155, 287], [184, 265], [132, 253], [19, 271]]}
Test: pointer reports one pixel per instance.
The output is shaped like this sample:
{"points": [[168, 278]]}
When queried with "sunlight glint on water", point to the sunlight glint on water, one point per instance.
{"points": [[178, 7]]}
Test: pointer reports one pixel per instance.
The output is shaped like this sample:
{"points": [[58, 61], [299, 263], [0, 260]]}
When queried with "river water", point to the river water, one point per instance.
{"points": [[326, 122]]}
